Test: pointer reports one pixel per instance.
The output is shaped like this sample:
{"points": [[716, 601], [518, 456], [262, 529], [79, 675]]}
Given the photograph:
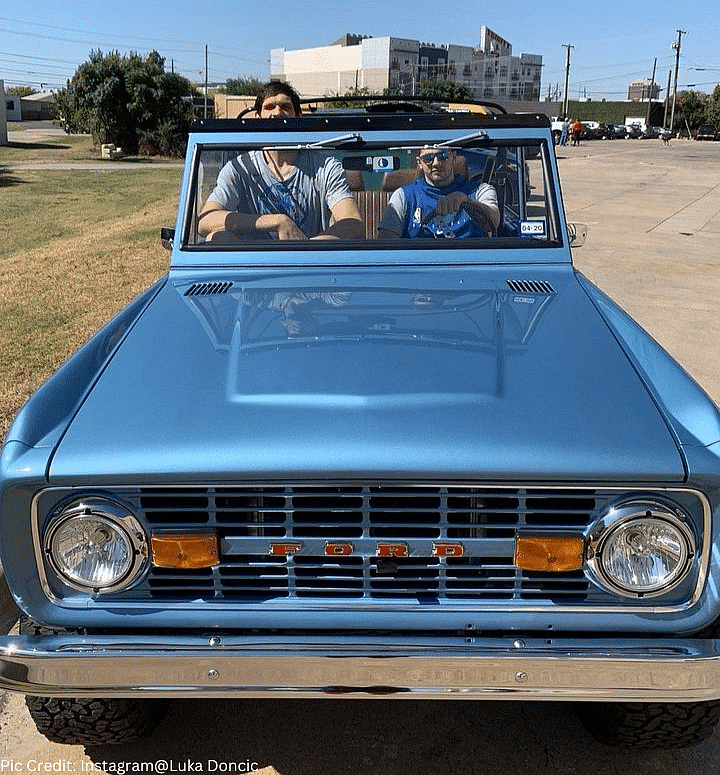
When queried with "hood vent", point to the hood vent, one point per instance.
{"points": [[208, 289], [530, 286]]}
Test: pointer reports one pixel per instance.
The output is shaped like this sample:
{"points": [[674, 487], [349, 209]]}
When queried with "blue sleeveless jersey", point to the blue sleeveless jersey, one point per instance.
{"points": [[421, 199]]}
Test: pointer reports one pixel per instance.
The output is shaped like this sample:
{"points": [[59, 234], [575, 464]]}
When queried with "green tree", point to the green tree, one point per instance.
{"points": [[690, 110], [243, 87], [350, 98], [20, 91], [713, 108], [129, 101], [444, 90]]}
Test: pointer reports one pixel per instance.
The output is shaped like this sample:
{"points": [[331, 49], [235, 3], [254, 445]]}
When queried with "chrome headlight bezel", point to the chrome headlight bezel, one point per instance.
{"points": [[631, 515], [112, 519]]}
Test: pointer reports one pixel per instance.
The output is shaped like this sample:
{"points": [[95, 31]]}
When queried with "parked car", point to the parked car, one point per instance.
{"points": [[634, 131], [444, 467], [556, 125], [591, 130], [606, 131], [621, 131], [706, 132]]}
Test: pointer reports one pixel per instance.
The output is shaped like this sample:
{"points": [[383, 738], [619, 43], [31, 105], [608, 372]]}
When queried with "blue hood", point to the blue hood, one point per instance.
{"points": [[430, 376]]}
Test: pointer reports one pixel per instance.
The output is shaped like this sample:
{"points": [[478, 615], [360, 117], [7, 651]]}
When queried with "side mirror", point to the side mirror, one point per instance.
{"points": [[167, 237], [577, 233]]}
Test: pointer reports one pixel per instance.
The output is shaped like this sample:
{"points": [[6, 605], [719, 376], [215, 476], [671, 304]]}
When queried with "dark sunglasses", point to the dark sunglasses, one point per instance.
{"points": [[428, 157]]}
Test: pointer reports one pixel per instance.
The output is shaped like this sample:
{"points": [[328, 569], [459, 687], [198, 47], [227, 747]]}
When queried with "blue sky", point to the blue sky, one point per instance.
{"points": [[614, 41]]}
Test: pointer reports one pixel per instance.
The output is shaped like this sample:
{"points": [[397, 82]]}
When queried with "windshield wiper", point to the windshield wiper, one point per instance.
{"points": [[475, 139], [343, 142]]}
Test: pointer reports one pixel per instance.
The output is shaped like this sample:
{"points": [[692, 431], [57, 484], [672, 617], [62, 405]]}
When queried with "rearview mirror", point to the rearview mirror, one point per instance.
{"points": [[167, 236], [577, 233]]}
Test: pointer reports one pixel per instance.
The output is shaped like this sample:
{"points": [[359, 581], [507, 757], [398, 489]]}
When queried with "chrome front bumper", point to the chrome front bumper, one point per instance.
{"points": [[411, 668]]}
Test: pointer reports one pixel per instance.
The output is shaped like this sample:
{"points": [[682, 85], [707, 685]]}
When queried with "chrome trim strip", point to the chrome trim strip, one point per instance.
{"points": [[704, 548], [459, 668]]}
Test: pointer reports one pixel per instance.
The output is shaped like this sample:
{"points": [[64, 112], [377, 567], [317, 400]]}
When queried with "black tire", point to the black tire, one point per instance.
{"points": [[650, 725], [94, 720]]}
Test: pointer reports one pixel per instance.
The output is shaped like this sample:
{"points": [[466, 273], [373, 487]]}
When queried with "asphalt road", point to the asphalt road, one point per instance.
{"points": [[653, 213]]}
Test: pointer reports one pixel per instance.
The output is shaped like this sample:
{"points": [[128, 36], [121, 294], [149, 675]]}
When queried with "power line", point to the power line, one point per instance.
{"points": [[218, 49], [41, 59]]}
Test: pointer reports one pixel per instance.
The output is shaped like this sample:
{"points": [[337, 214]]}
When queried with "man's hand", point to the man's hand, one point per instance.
{"points": [[451, 203], [287, 229], [229, 223]]}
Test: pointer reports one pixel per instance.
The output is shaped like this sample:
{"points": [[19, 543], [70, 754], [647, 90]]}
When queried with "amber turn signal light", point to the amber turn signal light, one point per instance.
{"points": [[184, 551], [549, 553]]}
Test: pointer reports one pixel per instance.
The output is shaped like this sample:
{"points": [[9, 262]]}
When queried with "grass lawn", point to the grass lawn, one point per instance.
{"points": [[75, 247], [58, 148], [51, 148]]}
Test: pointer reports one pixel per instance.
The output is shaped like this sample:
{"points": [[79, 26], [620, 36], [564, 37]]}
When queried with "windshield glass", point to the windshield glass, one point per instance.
{"points": [[347, 193]]}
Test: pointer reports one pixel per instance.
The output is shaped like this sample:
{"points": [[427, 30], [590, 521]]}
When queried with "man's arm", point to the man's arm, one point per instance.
{"points": [[216, 223], [347, 221], [392, 223], [484, 211]]}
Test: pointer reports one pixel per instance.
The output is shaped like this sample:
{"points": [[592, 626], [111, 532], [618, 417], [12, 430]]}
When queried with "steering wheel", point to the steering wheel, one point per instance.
{"points": [[466, 222]]}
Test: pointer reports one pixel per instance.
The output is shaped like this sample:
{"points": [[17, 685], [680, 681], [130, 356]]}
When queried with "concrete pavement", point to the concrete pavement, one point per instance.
{"points": [[653, 213]]}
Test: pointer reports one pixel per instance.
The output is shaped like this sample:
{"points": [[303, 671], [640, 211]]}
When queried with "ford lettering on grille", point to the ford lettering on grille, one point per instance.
{"points": [[335, 549]]}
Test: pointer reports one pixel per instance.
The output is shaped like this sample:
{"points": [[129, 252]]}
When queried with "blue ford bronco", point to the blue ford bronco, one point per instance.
{"points": [[385, 448]]}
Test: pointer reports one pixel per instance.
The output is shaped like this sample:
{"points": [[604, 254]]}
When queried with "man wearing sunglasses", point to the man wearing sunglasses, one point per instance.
{"points": [[440, 203]]}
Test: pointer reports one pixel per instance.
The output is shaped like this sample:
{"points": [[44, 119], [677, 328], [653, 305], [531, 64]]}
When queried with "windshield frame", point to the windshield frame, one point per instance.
{"points": [[327, 135]]}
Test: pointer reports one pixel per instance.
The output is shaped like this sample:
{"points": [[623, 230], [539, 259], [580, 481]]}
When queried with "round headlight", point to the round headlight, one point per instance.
{"points": [[95, 546], [641, 550]]}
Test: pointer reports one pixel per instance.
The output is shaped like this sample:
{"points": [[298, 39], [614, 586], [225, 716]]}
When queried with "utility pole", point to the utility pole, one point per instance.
{"points": [[567, 81], [676, 46], [667, 99], [650, 93], [206, 82]]}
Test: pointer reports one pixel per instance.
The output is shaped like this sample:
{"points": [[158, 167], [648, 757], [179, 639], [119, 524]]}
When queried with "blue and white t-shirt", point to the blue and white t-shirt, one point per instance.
{"points": [[248, 185]]}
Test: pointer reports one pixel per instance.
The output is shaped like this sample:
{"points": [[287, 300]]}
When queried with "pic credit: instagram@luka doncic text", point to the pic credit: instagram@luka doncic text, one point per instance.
{"points": [[160, 767]]}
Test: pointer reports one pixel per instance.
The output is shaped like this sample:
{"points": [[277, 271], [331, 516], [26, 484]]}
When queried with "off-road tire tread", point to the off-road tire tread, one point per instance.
{"points": [[650, 725], [94, 721], [90, 721]]}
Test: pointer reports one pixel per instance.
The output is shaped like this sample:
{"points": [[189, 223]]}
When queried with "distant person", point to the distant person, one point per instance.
{"points": [[281, 194], [440, 203], [575, 130], [564, 132]]}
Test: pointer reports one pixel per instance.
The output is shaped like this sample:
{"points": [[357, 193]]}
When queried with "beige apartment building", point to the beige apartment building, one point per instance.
{"points": [[489, 70], [642, 90]]}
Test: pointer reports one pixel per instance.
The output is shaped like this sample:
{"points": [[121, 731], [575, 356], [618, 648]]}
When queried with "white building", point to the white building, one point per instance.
{"points": [[13, 111], [489, 70]]}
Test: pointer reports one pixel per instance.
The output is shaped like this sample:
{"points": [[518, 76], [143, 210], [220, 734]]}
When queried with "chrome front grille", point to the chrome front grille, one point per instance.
{"points": [[334, 534]]}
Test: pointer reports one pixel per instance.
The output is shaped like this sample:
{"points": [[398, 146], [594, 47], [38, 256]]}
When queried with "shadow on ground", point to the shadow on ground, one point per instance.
{"points": [[386, 737], [31, 146]]}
